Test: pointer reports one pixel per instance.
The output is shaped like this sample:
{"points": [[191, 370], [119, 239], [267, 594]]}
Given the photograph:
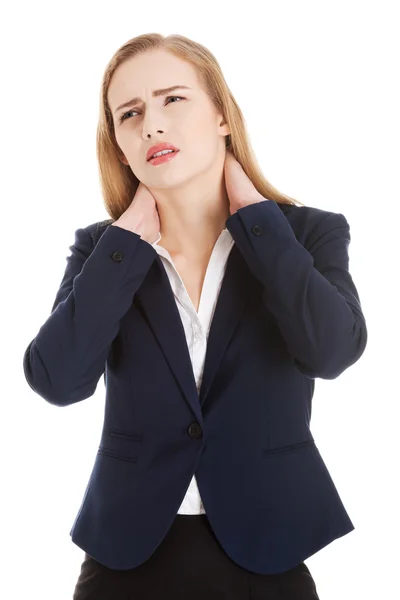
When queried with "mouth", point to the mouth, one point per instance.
{"points": [[160, 147], [162, 158]]}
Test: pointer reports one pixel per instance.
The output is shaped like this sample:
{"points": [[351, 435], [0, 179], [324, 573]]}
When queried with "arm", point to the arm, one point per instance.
{"points": [[310, 291], [66, 359]]}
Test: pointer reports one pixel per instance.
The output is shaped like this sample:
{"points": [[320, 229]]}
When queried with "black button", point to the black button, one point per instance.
{"points": [[117, 256], [195, 430], [257, 230]]}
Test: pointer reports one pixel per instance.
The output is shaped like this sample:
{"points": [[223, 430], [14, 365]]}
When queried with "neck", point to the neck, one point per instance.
{"points": [[191, 221]]}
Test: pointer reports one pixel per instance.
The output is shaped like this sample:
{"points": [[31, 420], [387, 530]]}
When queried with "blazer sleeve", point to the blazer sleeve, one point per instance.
{"points": [[66, 359], [309, 290]]}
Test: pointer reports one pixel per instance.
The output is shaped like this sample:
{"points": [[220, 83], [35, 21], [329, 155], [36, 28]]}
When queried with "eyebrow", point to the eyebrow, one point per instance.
{"points": [[155, 93]]}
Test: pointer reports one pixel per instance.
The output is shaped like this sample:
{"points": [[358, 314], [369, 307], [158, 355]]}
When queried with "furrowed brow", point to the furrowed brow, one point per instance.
{"points": [[155, 93]]}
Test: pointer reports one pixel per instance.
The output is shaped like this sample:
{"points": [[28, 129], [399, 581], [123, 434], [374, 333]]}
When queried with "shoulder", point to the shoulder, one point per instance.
{"points": [[309, 221], [309, 217], [306, 213]]}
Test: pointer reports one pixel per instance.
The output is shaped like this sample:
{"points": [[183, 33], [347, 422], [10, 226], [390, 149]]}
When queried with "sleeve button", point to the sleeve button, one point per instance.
{"points": [[257, 230]]}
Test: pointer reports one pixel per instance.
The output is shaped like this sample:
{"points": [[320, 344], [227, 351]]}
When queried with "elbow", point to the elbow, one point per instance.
{"points": [[348, 351], [327, 370], [60, 397], [40, 382], [334, 359]]}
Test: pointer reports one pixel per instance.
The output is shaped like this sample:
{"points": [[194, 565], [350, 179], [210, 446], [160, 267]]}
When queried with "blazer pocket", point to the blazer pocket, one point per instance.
{"points": [[271, 452], [118, 455], [125, 435]]}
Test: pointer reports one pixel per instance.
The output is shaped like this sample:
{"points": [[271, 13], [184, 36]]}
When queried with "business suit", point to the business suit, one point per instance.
{"points": [[288, 312]]}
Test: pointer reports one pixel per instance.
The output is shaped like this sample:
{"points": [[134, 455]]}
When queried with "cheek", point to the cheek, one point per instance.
{"points": [[124, 144], [134, 152], [206, 148], [200, 137]]}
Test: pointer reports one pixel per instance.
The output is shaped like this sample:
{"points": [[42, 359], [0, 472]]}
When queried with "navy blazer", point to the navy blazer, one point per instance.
{"points": [[288, 312]]}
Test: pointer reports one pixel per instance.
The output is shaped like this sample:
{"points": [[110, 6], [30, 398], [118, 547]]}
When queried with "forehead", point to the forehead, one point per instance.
{"points": [[151, 70]]}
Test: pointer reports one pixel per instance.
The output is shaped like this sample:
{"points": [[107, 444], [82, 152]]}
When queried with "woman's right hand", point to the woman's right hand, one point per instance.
{"points": [[141, 216]]}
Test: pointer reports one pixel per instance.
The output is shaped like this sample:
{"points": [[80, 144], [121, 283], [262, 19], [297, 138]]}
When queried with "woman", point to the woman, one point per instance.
{"points": [[211, 302]]}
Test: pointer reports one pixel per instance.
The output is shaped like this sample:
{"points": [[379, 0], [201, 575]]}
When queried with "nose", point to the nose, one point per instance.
{"points": [[147, 133]]}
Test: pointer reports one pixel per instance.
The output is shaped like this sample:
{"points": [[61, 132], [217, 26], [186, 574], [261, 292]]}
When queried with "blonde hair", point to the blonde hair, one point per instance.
{"points": [[118, 183]]}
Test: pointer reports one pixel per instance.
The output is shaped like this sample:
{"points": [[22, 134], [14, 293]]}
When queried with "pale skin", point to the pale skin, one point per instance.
{"points": [[203, 185]]}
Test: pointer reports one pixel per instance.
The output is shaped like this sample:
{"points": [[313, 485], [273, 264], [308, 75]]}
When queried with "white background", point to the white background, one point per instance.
{"points": [[318, 85]]}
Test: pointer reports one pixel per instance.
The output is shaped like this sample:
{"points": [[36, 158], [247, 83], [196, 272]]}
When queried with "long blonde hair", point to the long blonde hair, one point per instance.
{"points": [[118, 183]]}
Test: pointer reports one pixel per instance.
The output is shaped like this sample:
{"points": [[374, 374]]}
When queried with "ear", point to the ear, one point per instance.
{"points": [[225, 130]]}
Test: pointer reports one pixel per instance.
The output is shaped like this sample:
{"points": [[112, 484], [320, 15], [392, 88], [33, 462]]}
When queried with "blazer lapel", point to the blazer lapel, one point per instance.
{"points": [[156, 300], [238, 287]]}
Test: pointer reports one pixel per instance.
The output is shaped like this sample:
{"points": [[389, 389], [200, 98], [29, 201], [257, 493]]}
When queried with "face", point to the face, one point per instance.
{"points": [[185, 118]]}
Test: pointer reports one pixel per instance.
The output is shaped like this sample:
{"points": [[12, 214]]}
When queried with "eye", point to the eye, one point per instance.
{"points": [[124, 116]]}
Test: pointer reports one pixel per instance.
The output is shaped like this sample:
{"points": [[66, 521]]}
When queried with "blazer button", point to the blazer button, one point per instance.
{"points": [[195, 430], [117, 256], [257, 230]]}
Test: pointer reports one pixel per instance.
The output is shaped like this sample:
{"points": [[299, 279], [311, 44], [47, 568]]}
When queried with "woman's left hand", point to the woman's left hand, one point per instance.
{"points": [[240, 189]]}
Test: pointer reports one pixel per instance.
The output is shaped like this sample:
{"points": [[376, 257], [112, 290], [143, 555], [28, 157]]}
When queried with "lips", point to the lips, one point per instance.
{"points": [[159, 148]]}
